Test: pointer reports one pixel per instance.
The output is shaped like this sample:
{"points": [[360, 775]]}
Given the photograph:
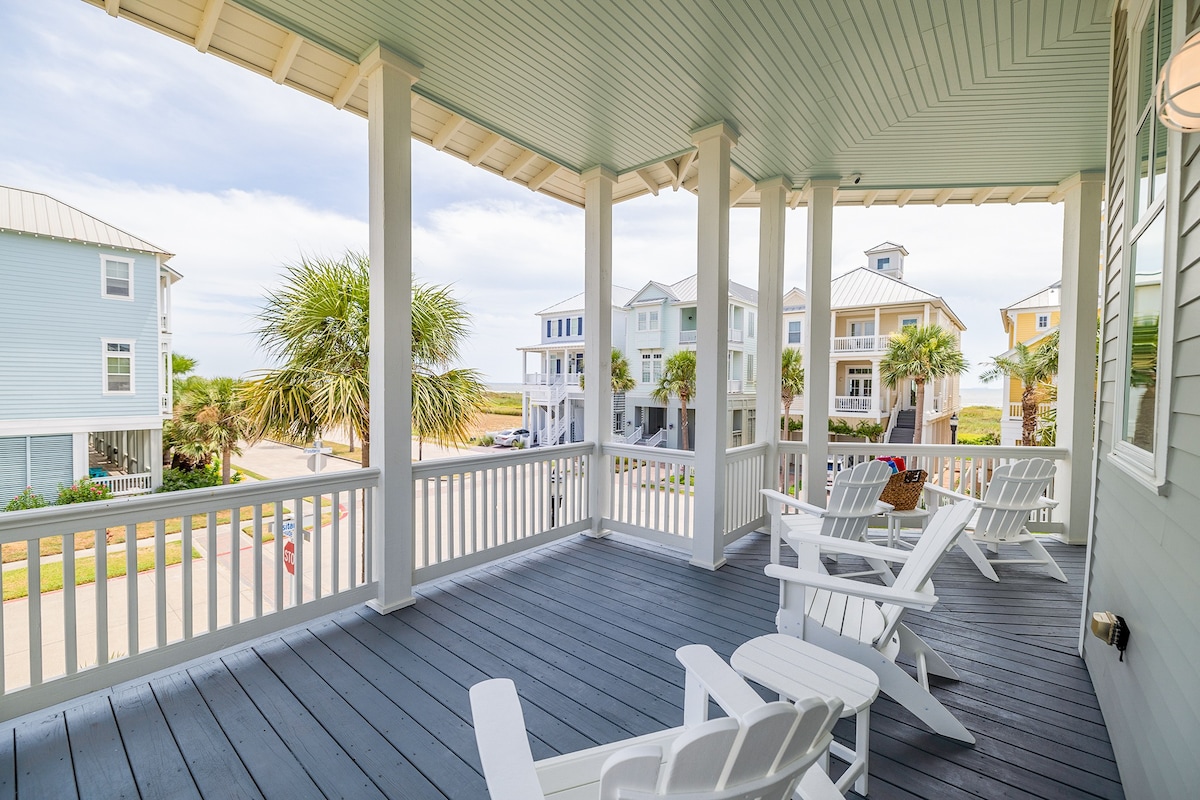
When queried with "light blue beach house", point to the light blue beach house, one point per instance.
{"points": [[85, 378]]}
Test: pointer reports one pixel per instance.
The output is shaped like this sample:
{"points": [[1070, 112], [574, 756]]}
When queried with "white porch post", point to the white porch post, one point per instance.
{"points": [[818, 379], [712, 344], [876, 405], [1077, 349], [597, 333], [389, 133], [767, 402]]}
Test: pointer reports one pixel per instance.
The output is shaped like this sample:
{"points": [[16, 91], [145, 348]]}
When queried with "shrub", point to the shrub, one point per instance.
{"points": [[84, 490], [985, 438], [26, 499], [487, 440], [175, 480], [518, 444]]}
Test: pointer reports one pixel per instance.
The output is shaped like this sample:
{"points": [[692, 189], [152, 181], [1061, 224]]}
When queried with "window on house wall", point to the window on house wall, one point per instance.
{"points": [[579, 326], [1142, 293], [794, 331], [560, 333], [859, 382], [648, 320], [910, 322], [883, 263], [568, 326], [862, 328], [1043, 321], [549, 329], [117, 277], [118, 367], [749, 368], [751, 324]]}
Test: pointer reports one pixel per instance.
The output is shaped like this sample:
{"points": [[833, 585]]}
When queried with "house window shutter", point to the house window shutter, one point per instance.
{"points": [[51, 463]]}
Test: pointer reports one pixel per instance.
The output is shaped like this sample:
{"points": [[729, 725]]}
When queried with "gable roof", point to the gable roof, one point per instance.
{"points": [[40, 214], [862, 287], [1040, 299], [883, 247], [620, 296], [685, 291]]}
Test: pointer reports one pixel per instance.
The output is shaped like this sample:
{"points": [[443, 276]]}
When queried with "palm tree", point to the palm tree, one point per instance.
{"points": [[622, 375], [317, 326], [923, 353], [1033, 368], [791, 383], [212, 416], [678, 380]]}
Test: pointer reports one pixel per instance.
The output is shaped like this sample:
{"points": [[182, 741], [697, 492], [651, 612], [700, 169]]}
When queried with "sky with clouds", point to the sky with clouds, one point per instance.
{"points": [[238, 176]]}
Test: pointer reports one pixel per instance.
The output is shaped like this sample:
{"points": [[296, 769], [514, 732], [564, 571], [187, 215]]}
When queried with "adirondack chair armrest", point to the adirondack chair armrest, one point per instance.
{"points": [[882, 507], [867, 591], [832, 544], [503, 742], [708, 676], [791, 502], [942, 491], [1046, 502]]}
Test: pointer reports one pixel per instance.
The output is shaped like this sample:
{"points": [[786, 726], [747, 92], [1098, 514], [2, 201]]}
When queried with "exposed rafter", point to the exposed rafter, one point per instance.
{"points": [[349, 84], [870, 197], [208, 24], [672, 166], [287, 56], [648, 179], [519, 163], [904, 197], [113, 7], [942, 197], [539, 180], [453, 125], [797, 196], [1018, 194], [982, 195], [685, 163], [484, 149]]}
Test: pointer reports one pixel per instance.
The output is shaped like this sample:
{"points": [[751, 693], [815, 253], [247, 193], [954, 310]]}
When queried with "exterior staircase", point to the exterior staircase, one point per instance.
{"points": [[905, 427]]}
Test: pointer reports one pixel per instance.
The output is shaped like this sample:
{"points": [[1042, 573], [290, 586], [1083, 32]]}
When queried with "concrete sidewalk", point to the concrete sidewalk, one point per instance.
{"points": [[276, 460]]}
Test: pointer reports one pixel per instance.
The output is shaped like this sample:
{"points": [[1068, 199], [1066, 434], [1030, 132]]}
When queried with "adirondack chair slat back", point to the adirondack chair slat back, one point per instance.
{"points": [[852, 499], [1011, 495], [762, 757], [917, 573]]}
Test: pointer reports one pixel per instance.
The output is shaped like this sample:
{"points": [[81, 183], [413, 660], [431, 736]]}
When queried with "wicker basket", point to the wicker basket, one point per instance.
{"points": [[903, 490]]}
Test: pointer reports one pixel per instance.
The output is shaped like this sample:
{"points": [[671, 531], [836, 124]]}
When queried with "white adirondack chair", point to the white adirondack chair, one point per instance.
{"points": [[853, 500], [762, 751], [863, 621], [1015, 491]]}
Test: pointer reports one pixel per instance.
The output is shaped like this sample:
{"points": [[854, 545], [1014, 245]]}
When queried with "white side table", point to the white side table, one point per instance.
{"points": [[896, 520], [796, 669]]}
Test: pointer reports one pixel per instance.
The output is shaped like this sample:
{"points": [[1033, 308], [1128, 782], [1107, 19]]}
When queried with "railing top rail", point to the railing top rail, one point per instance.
{"points": [[959, 450], [789, 446], [753, 448], [20, 525], [476, 463], [649, 453]]}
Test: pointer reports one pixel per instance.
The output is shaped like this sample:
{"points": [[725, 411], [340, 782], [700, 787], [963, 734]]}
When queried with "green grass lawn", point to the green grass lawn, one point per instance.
{"points": [[503, 403], [16, 581], [975, 422]]}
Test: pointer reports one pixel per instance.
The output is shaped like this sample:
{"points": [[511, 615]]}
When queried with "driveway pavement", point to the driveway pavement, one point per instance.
{"points": [[275, 460]]}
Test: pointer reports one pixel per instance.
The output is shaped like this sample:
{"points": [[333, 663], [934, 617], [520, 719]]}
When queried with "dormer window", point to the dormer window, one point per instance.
{"points": [[883, 263], [116, 279]]}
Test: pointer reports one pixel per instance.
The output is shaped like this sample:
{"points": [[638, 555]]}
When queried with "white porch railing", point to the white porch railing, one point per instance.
{"points": [[856, 405], [474, 509], [551, 379], [687, 337], [121, 485], [657, 439], [964, 468], [744, 470], [634, 436], [736, 335], [1016, 412], [735, 386], [191, 572], [859, 344], [652, 492]]}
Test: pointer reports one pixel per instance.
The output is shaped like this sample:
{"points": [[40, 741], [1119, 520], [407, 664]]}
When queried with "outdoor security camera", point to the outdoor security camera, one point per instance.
{"points": [[856, 178]]}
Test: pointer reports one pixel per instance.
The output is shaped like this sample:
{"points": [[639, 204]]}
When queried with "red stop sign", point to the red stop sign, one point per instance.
{"points": [[289, 557]]}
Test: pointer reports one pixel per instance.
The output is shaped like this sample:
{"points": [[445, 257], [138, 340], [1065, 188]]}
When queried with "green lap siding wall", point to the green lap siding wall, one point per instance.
{"points": [[52, 323]]}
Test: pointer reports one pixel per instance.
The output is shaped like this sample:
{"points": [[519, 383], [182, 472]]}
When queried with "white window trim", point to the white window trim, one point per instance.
{"points": [[104, 277], [1147, 469], [104, 390]]}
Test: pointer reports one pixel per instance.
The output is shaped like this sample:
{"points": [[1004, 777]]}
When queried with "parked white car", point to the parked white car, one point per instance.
{"points": [[509, 437]]}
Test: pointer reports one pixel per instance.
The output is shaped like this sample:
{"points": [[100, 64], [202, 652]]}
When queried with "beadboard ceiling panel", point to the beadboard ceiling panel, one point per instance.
{"points": [[934, 94]]}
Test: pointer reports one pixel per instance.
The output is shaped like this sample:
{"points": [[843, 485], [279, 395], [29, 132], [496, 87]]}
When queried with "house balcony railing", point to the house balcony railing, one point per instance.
{"points": [[687, 337], [164, 323], [1015, 411], [551, 379], [737, 335], [859, 344], [121, 485], [735, 386], [853, 405]]}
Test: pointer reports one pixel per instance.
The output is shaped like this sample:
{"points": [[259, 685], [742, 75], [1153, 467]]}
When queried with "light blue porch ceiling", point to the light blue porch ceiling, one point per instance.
{"points": [[938, 92]]}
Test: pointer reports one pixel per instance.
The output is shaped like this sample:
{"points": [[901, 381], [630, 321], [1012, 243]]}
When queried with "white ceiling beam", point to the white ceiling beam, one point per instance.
{"points": [[672, 167], [208, 24], [795, 198], [940, 199], [449, 129], [982, 195], [739, 191], [870, 197], [648, 179], [685, 163], [519, 163], [113, 7], [287, 56], [546, 174], [349, 84], [1065, 186], [1018, 194], [484, 149], [904, 197], [692, 183]]}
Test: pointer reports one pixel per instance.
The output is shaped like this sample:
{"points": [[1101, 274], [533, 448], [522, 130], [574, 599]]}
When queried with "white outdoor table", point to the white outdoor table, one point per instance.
{"points": [[896, 520], [797, 669]]}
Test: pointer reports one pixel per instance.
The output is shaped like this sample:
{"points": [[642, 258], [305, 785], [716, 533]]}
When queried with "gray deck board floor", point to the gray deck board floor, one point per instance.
{"points": [[357, 705]]}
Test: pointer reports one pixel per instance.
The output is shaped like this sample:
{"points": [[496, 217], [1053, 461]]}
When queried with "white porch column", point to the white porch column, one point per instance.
{"points": [[876, 403], [767, 402], [389, 134], [818, 378], [1077, 349], [597, 333], [711, 431]]}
